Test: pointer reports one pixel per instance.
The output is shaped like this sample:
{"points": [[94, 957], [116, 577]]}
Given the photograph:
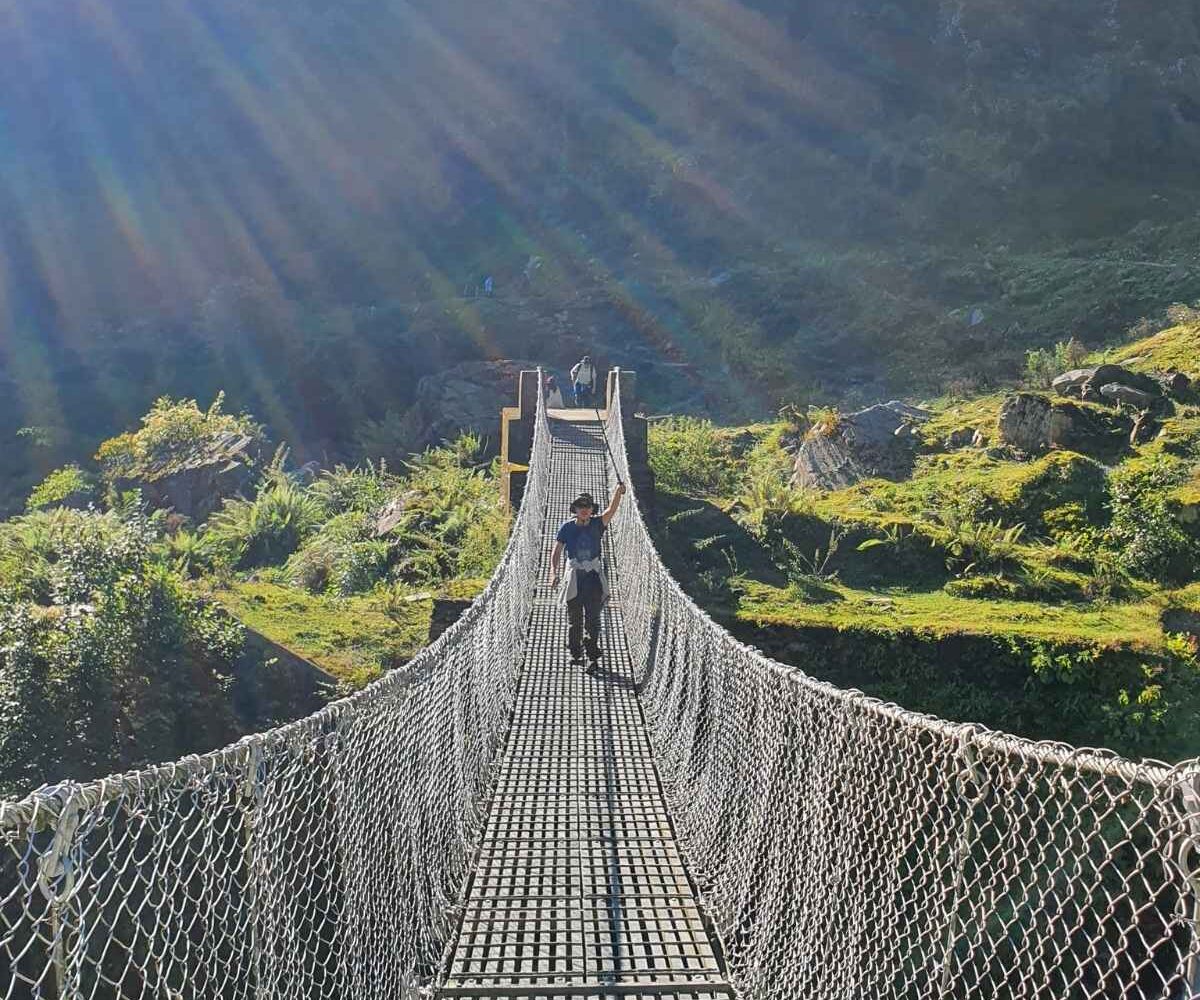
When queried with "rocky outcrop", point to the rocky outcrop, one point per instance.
{"points": [[195, 486], [1116, 375], [1089, 383], [467, 397], [1032, 423], [1181, 620], [878, 441]]}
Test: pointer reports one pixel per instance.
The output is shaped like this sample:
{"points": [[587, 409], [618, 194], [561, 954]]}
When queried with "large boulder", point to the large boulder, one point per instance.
{"points": [[1116, 375], [1173, 383], [467, 397], [877, 441], [1071, 383], [1032, 423], [1087, 383], [1114, 392], [194, 486]]}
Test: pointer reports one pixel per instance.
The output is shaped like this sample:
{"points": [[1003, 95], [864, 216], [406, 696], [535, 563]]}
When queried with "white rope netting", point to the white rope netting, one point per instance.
{"points": [[844, 848], [848, 848], [322, 859]]}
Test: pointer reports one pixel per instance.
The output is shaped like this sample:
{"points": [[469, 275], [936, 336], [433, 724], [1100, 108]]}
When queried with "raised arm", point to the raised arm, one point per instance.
{"points": [[555, 559], [613, 504]]}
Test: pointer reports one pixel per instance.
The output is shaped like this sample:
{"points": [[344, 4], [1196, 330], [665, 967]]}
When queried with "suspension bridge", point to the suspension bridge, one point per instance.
{"points": [[691, 821]]}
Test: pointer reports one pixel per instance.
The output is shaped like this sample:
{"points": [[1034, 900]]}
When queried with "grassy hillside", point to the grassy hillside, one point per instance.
{"points": [[1062, 573]]}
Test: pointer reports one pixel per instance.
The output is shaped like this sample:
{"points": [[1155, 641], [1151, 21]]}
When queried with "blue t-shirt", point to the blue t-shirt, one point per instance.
{"points": [[582, 541]]}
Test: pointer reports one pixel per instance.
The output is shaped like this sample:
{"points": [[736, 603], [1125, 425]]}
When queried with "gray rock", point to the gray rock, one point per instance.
{"points": [[392, 513], [825, 462], [194, 487], [1032, 423], [1116, 393], [1071, 383], [878, 441], [1173, 384], [960, 438], [467, 397], [1181, 620], [1116, 375]]}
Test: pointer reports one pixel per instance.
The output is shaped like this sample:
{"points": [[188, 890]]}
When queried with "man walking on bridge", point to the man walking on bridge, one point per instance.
{"points": [[583, 377], [584, 587]]}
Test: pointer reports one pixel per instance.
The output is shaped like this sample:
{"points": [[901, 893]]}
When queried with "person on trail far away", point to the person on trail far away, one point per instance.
{"points": [[583, 375], [584, 588]]}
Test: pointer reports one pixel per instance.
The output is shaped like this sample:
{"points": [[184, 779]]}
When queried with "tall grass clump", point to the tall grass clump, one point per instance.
{"points": [[266, 530], [691, 457]]}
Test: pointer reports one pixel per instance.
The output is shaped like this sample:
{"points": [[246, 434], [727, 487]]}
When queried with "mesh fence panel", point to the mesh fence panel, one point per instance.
{"points": [[847, 848], [322, 859]]}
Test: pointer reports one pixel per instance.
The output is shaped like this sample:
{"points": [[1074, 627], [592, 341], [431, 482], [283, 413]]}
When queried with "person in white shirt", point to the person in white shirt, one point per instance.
{"points": [[583, 376], [554, 399]]}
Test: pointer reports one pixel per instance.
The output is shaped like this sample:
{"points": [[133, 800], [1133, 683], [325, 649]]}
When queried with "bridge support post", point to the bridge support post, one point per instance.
{"points": [[516, 440]]}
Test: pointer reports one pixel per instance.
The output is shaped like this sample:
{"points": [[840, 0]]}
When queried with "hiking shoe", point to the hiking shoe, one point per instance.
{"points": [[576, 659]]}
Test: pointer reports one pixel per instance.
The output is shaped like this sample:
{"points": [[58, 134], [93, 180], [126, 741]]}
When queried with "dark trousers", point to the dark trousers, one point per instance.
{"points": [[583, 394], [583, 613]]}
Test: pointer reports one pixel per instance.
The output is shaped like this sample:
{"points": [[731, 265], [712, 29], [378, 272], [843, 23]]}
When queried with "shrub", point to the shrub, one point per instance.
{"points": [[341, 558], [364, 488], [823, 420], [766, 503], [1144, 531], [105, 660], [452, 512], [186, 553], [263, 531], [977, 546], [173, 433], [1042, 365], [68, 483], [689, 456]]}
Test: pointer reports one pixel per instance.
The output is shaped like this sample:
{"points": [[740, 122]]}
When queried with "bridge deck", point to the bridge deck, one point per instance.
{"points": [[579, 892]]}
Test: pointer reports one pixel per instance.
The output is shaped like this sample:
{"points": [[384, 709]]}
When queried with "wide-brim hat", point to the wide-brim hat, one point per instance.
{"points": [[583, 500]]}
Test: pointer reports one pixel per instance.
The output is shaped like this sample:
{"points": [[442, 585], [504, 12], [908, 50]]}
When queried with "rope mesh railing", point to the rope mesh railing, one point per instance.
{"points": [[323, 859], [848, 848], [843, 847]]}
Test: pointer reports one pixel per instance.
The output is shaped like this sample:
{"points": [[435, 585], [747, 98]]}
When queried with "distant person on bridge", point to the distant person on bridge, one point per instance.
{"points": [[584, 587], [583, 375], [554, 400]]}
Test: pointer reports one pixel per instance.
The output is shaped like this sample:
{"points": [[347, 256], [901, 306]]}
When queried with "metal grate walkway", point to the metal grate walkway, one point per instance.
{"points": [[579, 892]]}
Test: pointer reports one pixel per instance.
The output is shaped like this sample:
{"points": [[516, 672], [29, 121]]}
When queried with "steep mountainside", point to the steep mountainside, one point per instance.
{"points": [[752, 203]]}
